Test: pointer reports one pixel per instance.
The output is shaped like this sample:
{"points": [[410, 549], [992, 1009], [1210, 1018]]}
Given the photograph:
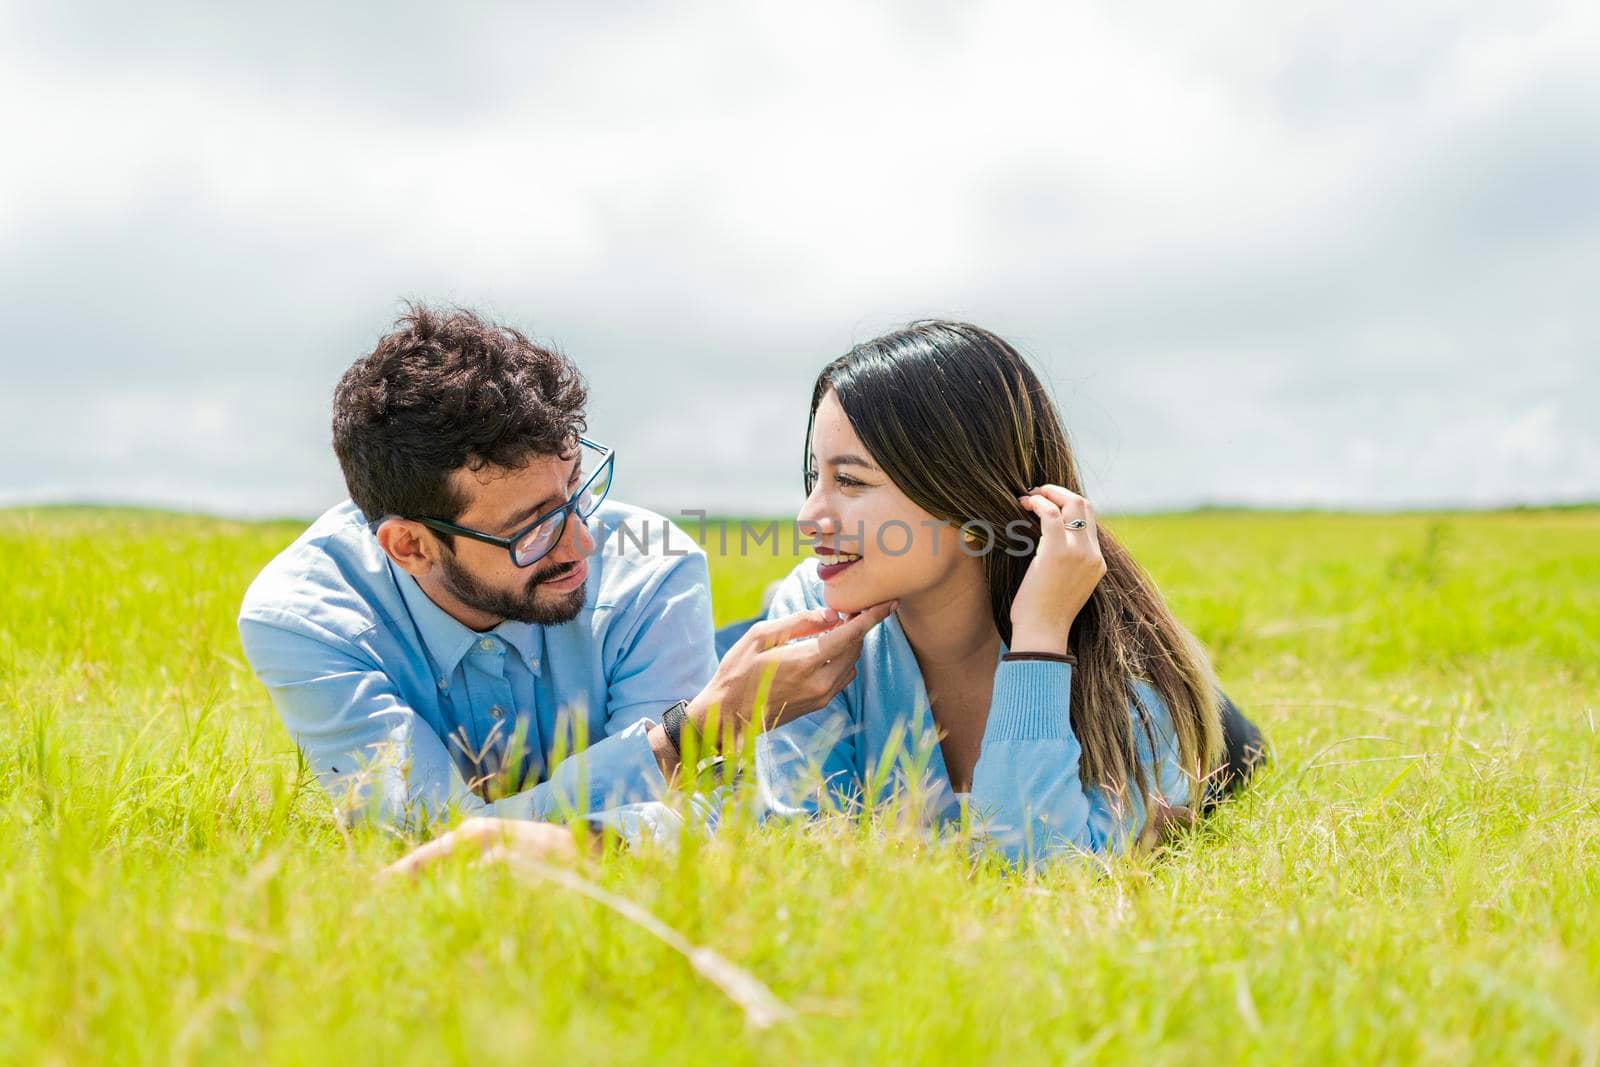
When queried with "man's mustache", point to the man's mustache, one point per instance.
{"points": [[555, 574]]}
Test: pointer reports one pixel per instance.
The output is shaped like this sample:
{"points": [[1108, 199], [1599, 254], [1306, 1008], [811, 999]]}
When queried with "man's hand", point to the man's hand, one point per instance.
{"points": [[492, 841], [780, 669]]}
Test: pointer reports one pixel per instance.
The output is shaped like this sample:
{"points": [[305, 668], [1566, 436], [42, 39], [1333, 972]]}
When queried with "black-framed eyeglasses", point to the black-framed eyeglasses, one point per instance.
{"points": [[534, 541]]}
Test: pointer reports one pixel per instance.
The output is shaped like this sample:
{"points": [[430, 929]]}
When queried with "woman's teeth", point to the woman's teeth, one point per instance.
{"points": [[832, 564]]}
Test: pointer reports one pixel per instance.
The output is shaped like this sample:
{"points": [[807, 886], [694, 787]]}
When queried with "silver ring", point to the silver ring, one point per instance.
{"points": [[1076, 524]]}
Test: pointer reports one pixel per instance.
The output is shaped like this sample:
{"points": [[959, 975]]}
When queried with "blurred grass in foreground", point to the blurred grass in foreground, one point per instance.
{"points": [[1416, 877]]}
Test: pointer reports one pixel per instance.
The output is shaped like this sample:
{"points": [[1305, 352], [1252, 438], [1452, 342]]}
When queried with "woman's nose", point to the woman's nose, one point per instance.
{"points": [[814, 516]]}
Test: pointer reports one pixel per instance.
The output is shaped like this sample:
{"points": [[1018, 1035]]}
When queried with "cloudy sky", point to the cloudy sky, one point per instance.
{"points": [[1343, 255]]}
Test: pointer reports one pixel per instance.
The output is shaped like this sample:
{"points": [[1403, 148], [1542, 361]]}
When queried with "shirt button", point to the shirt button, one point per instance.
{"points": [[487, 644], [444, 683], [498, 712]]}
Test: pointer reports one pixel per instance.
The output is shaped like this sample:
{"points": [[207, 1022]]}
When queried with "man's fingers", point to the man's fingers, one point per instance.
{"points": [[494, 840], [493, 855], [792, 627], [845, 639], [422, 856]]}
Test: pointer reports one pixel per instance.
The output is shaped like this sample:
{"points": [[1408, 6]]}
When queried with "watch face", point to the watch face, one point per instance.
{"points": [[720, 771]]}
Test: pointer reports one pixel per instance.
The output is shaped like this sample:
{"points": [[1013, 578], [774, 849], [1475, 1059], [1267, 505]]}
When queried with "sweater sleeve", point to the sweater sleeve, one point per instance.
{"points": [[1027, 790]]}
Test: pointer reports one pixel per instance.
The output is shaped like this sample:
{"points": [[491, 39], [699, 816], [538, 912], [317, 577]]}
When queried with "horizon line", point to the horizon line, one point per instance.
{"points": [[1197, 507]]}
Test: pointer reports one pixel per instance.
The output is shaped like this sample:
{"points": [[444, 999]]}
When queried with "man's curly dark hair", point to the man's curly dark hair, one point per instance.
{"points": [[448, 389]]}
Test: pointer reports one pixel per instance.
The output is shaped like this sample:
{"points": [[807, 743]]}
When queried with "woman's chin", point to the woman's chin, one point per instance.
{"points": [[848, 600]]}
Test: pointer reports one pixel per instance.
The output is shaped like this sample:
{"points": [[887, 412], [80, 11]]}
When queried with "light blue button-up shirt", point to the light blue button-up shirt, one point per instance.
{"points": [[401, 709], [1028, 798]]}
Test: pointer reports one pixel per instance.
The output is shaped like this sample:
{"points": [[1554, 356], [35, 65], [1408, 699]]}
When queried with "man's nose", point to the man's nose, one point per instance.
{"points": [[576, 541], [578, 536]]}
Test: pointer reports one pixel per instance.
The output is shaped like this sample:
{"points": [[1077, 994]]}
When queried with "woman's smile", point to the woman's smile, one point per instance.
{"points": [[831, 562]]}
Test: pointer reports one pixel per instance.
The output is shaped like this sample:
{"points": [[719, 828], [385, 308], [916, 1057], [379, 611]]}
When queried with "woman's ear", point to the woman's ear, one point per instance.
{"points": [[408, 545]]}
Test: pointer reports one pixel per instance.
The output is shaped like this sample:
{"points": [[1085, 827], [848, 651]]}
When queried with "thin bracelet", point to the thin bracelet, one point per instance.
{"points": [[1047, 657]]}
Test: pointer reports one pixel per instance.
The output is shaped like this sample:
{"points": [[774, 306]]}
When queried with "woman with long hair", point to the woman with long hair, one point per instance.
{"points": [[1057, 697], [1053, 695]]}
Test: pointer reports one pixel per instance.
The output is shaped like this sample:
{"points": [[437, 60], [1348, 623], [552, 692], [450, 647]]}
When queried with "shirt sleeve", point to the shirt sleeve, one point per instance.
{"points": [[1027, 788], [376, 757], [662, 648]]}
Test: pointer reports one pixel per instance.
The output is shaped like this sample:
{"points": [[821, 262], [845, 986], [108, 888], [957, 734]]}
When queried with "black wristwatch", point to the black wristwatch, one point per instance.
{"points": [[672, 721]]}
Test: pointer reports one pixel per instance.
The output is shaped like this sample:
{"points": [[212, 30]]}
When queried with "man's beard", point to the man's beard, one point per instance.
{"points": [[523, 606]]}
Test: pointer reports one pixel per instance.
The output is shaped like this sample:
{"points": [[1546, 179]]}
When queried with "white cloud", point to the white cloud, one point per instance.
{"points": [[1237, 243]]}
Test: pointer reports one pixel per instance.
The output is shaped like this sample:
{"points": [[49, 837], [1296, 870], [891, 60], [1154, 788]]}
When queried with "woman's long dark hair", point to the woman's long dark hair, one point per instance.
{"points": [[961, 423]]}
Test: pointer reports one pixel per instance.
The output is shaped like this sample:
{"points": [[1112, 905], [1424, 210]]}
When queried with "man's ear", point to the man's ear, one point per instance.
{"points": [[408, 544]]}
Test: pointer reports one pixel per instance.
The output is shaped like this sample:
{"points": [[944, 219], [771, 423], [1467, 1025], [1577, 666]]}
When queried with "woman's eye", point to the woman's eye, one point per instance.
{"points": [[844, 481]]}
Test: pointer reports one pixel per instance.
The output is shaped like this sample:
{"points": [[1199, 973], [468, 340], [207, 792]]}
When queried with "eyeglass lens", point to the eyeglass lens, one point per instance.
{"points": [[596, 482]]}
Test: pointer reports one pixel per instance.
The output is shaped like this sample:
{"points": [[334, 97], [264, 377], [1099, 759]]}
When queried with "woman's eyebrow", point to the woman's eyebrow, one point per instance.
{"points": [[850, 459]]}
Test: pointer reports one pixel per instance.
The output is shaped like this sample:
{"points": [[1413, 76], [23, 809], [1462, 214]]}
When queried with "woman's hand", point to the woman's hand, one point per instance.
{"points": [[1066, 567], [1166, 822]]}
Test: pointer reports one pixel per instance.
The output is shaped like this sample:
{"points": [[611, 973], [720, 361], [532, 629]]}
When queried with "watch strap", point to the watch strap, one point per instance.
{"points": [[672, 721]]}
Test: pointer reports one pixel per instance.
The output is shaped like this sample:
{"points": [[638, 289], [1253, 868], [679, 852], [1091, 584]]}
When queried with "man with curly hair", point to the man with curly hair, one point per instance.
{"points": [[480, 628]]}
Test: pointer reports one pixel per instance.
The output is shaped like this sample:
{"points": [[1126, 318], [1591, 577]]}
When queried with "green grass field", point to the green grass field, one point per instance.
{"points": [[1415, 879]]}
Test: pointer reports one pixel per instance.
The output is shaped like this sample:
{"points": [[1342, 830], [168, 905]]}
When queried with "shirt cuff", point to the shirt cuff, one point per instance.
{"points": [[623, 768], [618, 770], [1031, 702]]}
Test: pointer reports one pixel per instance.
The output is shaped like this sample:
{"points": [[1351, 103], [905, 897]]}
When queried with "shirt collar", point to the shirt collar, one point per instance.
{"points": [[447, 640], [524, 638]]}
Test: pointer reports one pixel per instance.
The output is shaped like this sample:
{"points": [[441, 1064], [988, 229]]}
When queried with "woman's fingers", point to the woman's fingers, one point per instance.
{"points": [[1061, 497], [1166, 821], [1052, 527], [1069, 506], [1042, 506]]}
